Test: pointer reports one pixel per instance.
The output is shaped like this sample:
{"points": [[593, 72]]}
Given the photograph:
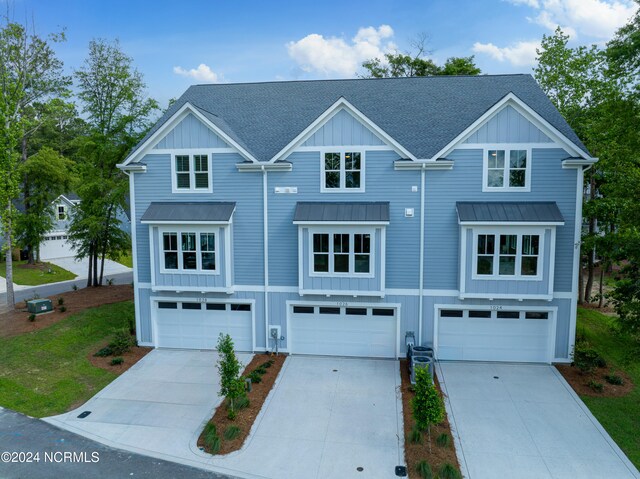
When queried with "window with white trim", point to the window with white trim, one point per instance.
{"points": [[62, 212], [342, 171], [341, 253], [188, 251], [507, 169], [517, 255], [191, 172]]}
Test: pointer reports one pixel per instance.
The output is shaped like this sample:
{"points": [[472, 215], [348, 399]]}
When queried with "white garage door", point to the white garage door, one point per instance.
{"points": [[197, 326], [343, 331], [55, 246], [483, 335]]}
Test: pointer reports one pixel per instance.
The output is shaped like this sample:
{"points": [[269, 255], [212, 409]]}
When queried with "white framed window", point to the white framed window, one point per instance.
{"points": [[191, 172], [189, 250], [341, 253], [507, 168], [508, 254], [342, 171], [62, 212]]}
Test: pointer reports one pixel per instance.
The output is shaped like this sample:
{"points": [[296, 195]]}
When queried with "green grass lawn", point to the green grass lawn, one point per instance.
{"points": [[36, 276], [125, 259], [46, 372], [619, 416]]}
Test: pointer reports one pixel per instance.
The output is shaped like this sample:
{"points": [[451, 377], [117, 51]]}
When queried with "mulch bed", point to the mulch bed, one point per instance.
{"points": [[135, 354], [245, 417], [414, 453], [580, 381], [17, 322]]}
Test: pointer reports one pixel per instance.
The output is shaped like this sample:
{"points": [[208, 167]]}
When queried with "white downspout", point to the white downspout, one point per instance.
{"points": [[421, 281], [265, 232]]}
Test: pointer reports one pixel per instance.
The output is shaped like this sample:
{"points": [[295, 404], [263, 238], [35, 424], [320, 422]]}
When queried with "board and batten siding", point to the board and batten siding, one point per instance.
{"points": [[514, 287], [382, 183], [192, 280], [508, 126], [549, 182], [343, 130], [190, 133], [155, 185]]}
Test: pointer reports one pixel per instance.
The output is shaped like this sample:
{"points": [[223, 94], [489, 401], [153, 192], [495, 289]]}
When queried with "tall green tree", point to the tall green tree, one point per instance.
{"points": [[113, 98], [29, 73]]}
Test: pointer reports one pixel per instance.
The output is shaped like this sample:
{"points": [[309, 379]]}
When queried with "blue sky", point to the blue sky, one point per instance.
{"points": [[175, 44]]}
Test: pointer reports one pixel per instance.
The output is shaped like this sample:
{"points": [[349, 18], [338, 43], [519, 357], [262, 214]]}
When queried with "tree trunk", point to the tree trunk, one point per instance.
{"points": [[95, 265], [601, 290], [105, 242], [90, 275], [580, 281], [11, 299], [592, 253]]}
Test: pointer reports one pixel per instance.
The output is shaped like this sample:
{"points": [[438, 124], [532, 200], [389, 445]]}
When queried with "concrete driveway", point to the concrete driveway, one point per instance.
{"points": [[324, 418], [524, 421], [81, 267]]}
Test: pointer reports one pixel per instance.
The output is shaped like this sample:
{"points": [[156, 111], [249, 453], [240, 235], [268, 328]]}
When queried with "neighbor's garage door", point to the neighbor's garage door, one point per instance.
{"points": [[55, 246], [197, 326], [482, 335], [343, 331]]}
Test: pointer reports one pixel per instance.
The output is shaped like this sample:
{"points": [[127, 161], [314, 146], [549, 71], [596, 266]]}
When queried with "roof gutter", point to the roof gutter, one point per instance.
{"points": [[579, 162], [132, 167]]}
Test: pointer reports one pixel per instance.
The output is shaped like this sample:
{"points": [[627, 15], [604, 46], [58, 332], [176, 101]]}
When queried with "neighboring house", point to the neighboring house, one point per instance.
{"points": [[339, 215]]}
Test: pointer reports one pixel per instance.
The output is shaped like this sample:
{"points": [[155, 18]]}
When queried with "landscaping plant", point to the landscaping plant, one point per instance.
{"points": [[231, 433], [585, 358], [121, 342], [427, 405], [32, 317], [415, 436], [231, 384], [596, 386], [424, 470], [117, 361], [60, 301], [443, 440], [62, 309], [448, 471], [613, 378], [211, 438]]}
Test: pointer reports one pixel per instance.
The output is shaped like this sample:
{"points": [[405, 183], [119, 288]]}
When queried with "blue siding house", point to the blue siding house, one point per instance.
{"points": [[337, 217]]}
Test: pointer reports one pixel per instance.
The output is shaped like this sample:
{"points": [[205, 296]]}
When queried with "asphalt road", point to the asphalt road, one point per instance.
{"points": [[56, 448]]}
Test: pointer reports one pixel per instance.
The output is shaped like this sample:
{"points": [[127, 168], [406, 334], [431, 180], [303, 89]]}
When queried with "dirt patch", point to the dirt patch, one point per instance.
{"points": [[580, 382], [246, 416], [17, 322], [414, 453], [135, 354]]}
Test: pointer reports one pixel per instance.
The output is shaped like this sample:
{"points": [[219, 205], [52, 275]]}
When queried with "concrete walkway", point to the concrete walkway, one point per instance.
{"points": [[524, 421], [325, 417]]}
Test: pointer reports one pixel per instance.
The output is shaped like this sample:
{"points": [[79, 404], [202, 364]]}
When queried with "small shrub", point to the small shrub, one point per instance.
{"points": [[255, 377], [242, 402], [231, 433], [415, 436], [62, 309], [261, 371], [121, 342], [211, 439], [448, 471], [74, 287], [585, 358], [613, 378], [267, 364], [443, 440], [32, 317], [427, 405], [104, 352], [109, 281], [117, 361], [424, 470], [596, 386], [600, 362], [231, 415], [60, 301]]}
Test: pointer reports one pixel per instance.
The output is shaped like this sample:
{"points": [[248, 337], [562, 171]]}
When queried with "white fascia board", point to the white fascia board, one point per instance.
{"points": [[253, 167], [528, 113], [423, 165], [347, 223], [511, 223], [341, 104], [172, 122]]}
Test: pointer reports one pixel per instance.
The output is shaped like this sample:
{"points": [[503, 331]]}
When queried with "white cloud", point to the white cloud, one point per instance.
{"points": [[202, 73], [530, 3], [334, 55], [518, 54]]}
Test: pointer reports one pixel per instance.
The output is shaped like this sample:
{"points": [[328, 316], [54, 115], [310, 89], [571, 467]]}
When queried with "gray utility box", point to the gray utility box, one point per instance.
{"points": [[39, 306], [421, 362]]}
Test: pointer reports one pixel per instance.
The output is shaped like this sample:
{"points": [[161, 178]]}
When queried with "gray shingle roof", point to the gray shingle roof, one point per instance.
{"points": [[352, 212], [422, 113], [513, 212], [213, 211]]}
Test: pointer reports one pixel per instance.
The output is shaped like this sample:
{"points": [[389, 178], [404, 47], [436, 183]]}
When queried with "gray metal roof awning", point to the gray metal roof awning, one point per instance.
{"points": [[518, 212], [189, 213], [342, 212]]}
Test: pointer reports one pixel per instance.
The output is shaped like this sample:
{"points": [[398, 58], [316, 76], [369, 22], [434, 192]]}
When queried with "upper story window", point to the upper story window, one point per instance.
{"points": [[507, 256], [62, 212], [191, 173], [342, 171], [507, 169], [341, 253], [188, 251]]}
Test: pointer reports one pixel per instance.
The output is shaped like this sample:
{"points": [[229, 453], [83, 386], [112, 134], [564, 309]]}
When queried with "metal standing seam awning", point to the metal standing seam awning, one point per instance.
{"points": [[352, 213], [509, 212], [213, 212]]}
